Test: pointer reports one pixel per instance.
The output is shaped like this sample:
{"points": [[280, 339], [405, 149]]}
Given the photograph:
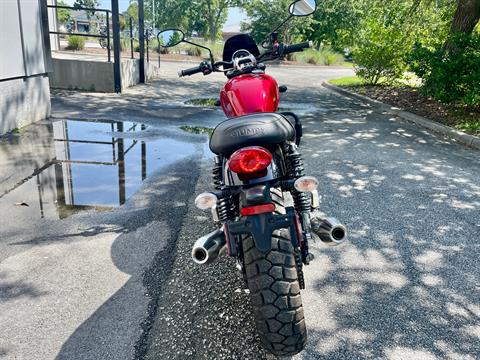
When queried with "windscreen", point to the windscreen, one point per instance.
{"points": [[238, 42]]}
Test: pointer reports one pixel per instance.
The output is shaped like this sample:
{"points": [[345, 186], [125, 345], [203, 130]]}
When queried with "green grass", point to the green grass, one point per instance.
{"points": [[470, 126], [351, 81], [348, 81]]}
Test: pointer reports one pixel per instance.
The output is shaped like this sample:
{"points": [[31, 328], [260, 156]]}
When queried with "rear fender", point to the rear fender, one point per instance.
{"points": [[261, 227]]}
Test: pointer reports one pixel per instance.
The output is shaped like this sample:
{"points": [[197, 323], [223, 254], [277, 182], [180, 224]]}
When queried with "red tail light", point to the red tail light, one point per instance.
{"points": [[249, 160], [257, 209]]}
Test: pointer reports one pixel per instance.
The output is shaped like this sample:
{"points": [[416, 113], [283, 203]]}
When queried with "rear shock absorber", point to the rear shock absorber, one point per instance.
{"points": [[217, 173], [301, 200], [223, 210], [224, 205], [296, 170]]}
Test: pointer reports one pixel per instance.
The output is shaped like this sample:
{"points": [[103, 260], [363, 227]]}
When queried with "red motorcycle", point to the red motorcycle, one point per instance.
{"points": [[265, 208]]}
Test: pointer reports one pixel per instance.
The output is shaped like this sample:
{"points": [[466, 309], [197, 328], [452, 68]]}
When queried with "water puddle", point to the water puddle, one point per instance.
{"points": [[209, 102], [88, 165]]}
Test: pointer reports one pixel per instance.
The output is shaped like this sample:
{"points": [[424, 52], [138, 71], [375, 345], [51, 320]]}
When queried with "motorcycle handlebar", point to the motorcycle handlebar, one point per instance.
{"points": [[211, 67], [191, 71], [297, 47]]}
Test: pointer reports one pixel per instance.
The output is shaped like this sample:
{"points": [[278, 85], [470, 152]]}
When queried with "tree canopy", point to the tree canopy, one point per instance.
{"points": [[386, 38]]}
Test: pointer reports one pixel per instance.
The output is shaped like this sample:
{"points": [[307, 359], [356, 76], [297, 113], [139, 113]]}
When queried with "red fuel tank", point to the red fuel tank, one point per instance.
{"points": [[249, 93]]}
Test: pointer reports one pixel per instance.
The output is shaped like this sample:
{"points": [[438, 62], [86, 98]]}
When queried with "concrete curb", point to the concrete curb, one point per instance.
{"points": [[459, 136]]}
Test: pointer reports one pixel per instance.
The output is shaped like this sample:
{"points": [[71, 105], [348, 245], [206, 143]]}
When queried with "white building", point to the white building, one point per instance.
{"points": [[24, 63]]}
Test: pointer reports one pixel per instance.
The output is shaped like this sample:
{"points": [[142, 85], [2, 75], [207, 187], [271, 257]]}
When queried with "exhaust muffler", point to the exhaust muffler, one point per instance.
{"points": [[329, 230], [208, 247]]}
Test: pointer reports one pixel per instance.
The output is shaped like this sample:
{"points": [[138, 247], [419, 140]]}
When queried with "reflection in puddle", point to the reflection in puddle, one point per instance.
{"points": [[96, 165], [202, 102], [197, 129]]}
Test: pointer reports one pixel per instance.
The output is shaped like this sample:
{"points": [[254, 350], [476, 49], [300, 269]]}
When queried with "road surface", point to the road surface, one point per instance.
{"points": [[119, 284]]}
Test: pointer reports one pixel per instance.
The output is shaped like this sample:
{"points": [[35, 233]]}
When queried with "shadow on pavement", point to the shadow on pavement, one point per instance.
{"points": [[406, 285], [145, 251]]}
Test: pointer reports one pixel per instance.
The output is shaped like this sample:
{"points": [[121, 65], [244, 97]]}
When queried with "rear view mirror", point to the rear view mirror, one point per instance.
{"points": [[302, 7], [266, 44], [170, 37]]}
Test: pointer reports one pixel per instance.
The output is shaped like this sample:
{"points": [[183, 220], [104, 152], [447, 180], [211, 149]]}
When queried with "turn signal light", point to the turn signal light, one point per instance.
{"points": [[306, 184], [249, 160], [206, 201]]}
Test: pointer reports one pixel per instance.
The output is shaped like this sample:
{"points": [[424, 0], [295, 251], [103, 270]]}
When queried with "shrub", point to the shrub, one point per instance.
{"points": [[124, 44], [323, 57], [164, 50], [452, 75], [136, 46], [75, 42], [194, 51], [153, 44], [330, 57], [380, 53]]}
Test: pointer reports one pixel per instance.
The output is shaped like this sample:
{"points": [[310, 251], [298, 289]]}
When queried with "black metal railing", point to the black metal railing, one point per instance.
{"points": [[107, 36], [100, 36], [112, 36]]}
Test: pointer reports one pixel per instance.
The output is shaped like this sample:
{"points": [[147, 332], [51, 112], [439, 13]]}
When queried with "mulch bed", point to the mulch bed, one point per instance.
{"points": [[410, 99]]}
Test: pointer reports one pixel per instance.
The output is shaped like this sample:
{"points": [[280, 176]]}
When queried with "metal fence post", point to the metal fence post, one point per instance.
{"points": [[147, 35], [141, 39], [108, 36], [116, 47], [131, 37]]}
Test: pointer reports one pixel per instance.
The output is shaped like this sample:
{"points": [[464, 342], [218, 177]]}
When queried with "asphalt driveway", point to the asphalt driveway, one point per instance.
{"points": [[120, 284]]}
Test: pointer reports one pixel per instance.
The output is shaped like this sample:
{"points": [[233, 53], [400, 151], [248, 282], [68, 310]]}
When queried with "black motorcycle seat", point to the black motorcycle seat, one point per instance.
{"points": [[259, 129]]}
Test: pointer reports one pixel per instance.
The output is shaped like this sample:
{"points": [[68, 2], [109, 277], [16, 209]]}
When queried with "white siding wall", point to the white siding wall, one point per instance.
{"points": [[22, 56]]}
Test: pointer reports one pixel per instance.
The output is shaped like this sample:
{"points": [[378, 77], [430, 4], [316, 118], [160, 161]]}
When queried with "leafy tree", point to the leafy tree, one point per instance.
{"points": [[206, 17], [63, 15], [132, 11], [453, 75], [335, 23], [215, 13], [388, 32], [465, 19], [169, 13], [266, 15], [87, 4]]}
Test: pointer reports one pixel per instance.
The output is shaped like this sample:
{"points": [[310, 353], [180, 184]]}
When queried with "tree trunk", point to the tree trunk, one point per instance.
{"points": [[465, 19]]}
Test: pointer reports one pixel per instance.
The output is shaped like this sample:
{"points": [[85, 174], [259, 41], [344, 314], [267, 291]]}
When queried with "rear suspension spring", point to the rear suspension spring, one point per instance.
{"points": [[217, 173], [295, 170], [295, 164], [224, 205]]}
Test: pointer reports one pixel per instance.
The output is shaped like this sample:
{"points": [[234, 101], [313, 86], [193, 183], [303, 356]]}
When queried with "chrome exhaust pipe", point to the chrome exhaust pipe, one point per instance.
{"points": [[208, 247], [329, 230]]}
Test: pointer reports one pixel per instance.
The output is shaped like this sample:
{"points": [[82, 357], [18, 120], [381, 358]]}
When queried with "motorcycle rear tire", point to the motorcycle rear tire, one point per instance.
{"points": [[275, 295]]}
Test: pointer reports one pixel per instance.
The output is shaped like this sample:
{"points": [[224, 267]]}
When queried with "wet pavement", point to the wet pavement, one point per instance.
{"points": [[79, 283], [89, 206], [94, 165]]}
